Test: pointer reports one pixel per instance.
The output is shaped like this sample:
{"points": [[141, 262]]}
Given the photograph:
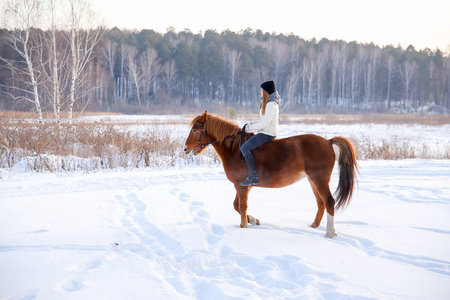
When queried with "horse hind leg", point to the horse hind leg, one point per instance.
{"points": [[331, 230], [323, 190], [320, 206]]}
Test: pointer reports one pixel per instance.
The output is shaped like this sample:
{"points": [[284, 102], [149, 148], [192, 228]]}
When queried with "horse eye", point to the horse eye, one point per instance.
{"points": [[194, 130]]}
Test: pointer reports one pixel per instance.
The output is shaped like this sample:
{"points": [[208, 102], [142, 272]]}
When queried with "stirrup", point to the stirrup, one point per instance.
{"points": [[250, 181]]}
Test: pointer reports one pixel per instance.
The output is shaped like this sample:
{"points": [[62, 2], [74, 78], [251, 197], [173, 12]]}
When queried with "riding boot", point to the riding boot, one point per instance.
{"points": [[252, 178]]}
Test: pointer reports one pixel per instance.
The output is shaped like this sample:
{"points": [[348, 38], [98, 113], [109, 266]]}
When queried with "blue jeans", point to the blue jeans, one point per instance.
{"points": [[255, 142]]}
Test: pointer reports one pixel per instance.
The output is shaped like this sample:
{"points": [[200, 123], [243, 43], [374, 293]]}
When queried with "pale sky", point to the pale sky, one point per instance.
{"points": [[420, 23]]}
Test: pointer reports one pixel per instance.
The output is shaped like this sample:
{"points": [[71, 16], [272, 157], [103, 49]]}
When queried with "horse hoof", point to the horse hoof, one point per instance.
{"points": [[314, 225], [252, 220], [331, 235]]}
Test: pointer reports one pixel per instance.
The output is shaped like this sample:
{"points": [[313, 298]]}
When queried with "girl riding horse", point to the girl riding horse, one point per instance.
{"points": [[267, 126]]}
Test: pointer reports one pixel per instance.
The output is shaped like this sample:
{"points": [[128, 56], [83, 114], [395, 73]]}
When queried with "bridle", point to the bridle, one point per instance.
{"points": [[199, 143]]}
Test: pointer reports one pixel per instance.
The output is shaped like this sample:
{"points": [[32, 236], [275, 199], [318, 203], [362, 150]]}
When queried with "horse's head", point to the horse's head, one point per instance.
{"points": [[197, 140]]}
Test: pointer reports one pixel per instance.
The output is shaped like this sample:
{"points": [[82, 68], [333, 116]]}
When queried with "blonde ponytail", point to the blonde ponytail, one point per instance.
{"points": [[263, 103]]}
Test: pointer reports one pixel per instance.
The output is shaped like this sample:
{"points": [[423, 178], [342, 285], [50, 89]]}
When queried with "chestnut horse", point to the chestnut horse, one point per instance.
{"points": [[279, 163]]}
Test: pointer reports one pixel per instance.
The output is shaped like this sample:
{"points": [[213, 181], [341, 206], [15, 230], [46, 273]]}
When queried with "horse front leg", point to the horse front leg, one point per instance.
{"points": [[250, 219], [241, 204], [241, 208]]}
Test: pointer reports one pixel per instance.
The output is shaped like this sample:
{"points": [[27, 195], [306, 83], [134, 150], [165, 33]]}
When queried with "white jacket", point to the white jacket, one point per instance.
{"points": [[268, 123]]}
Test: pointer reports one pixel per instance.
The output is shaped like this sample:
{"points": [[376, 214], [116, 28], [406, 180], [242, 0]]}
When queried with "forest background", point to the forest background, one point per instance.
{"points": [[77, 65]]}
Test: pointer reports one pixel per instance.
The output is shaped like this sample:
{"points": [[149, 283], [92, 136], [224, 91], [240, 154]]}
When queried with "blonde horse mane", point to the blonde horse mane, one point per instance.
{"points": [[221, 129]]}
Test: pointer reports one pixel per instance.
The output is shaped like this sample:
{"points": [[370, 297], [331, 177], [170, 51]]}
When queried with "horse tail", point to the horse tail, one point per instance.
{"points": [[347, 171]]}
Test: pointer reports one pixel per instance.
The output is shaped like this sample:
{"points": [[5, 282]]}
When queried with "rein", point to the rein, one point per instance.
{"points": [[201, 146]]}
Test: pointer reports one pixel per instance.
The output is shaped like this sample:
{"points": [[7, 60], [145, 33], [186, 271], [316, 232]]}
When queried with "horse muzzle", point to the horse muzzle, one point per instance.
{"points": [[187, 151]]}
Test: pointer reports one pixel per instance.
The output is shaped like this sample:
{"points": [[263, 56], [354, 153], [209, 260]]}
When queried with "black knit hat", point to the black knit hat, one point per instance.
{"points": [[269, 86]]}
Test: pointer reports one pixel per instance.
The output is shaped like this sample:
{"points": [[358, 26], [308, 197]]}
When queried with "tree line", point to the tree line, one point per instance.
{"points": [[77, 68]]}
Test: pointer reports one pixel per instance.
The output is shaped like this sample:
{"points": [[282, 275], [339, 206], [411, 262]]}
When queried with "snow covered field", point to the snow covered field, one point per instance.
{"points": [[170, 232], [173, 234]]}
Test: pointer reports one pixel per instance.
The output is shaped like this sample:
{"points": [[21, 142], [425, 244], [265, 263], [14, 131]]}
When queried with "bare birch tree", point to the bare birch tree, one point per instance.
{"points": [[375, 55], [322, 59], [82, 38], [109, 53], [170, 72], [150, 69], [368, 77], [121, 84], [21, 17], [292, 85], [310, 68], [354, 80], [279, 53], [134, 72], [366, 74], [232, 61], [446, 83], [335, 60], [366, 69], [54, 60], [54, 63], [407, 74], [343, 71], [390, 65]]}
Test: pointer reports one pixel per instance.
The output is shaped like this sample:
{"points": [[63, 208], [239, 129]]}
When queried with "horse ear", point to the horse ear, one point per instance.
{"points": [[203, 117]]}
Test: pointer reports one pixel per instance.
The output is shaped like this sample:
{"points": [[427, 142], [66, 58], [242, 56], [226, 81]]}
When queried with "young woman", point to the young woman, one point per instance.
{"points": [[266, 126]]}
